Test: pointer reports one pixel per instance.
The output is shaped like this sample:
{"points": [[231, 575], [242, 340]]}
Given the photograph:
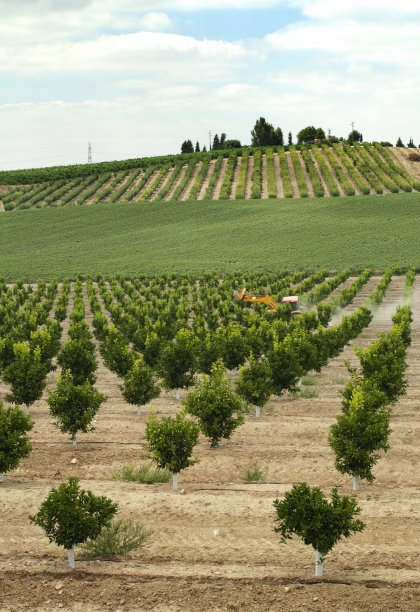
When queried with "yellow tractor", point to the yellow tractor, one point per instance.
{"points": [[293, 300]]}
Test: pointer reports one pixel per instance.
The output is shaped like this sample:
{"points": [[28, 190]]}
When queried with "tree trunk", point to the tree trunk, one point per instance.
{"points": [[70, 555], [177, 394], [74, 440], [319, 563], [175, 481], [257, 411], [138, 410], [355, 483], [27, 412], [1, 477]]}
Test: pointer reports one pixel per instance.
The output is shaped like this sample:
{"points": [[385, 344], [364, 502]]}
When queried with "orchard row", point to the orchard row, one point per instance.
{"points": [[256, 173]]}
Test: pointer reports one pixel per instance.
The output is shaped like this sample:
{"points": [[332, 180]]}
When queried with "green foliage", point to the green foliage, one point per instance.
{"points": [[139, 386], [285, 175], [187, 147], [116, 352], [285, 365], [74, 406], [264, 134], [146, 474], [307, 134], [384, 363], [119, 538], [313, 173], [26, 374], [358, 434], [218, 408], [103, 232], [171, 441], [254, 382], [300, 177], [178, 362], [304, 511], [71, 515], [77, 356], [253, 472], [14, 443]]}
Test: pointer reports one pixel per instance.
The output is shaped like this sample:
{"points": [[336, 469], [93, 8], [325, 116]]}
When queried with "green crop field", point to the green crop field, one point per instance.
{"points": [[266, 235]]}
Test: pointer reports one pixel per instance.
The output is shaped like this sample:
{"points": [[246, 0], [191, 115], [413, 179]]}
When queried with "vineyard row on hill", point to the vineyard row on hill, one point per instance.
{"points": [[317, 171]]}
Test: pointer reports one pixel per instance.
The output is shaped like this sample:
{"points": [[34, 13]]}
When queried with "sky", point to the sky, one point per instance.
{"points": [[136, 78]]}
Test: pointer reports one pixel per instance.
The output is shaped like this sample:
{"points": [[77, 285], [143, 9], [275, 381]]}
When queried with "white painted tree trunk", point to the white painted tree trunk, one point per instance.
{"points": [[138, 410], [74, 440], [319, 563], [27, 411], [70, 555], [355, 483], [177, 394], [175, 482], [257, 411], [1, 477], [299, 382]]}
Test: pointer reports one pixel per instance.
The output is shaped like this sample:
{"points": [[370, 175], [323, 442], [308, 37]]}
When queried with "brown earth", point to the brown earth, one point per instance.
{"points": [[203, 189], [214, 547]]}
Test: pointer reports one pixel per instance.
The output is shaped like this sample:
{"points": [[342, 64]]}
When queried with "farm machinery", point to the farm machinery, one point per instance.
{"points": [[243, 296]]}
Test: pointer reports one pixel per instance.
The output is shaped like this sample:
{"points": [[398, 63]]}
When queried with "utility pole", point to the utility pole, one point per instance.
{"points": [[210, 140], [352, 125], [89, 154]]}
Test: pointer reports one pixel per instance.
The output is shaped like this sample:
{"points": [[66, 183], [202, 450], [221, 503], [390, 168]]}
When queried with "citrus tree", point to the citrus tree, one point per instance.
{"points": [[14, 442], [74, 406], [139, 386], [70, 516], [26, 375], [171, 442], [218, 408], [305, 511]]}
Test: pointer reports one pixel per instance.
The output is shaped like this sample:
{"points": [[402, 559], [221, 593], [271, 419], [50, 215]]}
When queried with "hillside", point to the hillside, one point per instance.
{"points": [[267, 173], [264, 235]]}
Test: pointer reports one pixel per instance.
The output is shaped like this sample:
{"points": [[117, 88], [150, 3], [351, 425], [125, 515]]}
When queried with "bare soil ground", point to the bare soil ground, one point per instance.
{"points": [[248, 180], [235, 178], [206, 181], [277, 176], [214, 547], [400, 156], [184, 195], [219, 180], [166, 177], [308, 181]]}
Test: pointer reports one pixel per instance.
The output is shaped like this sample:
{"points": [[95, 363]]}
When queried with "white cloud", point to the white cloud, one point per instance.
{"points": [[139, 51], [156, 22], [360, 10], [383, 44]]}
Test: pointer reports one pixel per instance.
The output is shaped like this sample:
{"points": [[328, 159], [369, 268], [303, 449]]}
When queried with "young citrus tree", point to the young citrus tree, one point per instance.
{"points": [[139, 386], [254, 383], [74, 406], [304, 511], [77, 356], [218, 408], [171, 442], [70, 516], [26, 374], [285, 366], [14, 443], [359, 433], [178, 362]]}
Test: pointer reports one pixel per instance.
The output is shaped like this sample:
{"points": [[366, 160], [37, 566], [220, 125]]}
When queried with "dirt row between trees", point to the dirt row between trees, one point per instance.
{"points": [[214, 547]]}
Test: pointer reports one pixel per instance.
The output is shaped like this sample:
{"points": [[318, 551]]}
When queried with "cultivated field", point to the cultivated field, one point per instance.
{"points": [[264, 235], [214, 547], [261, 173]]}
